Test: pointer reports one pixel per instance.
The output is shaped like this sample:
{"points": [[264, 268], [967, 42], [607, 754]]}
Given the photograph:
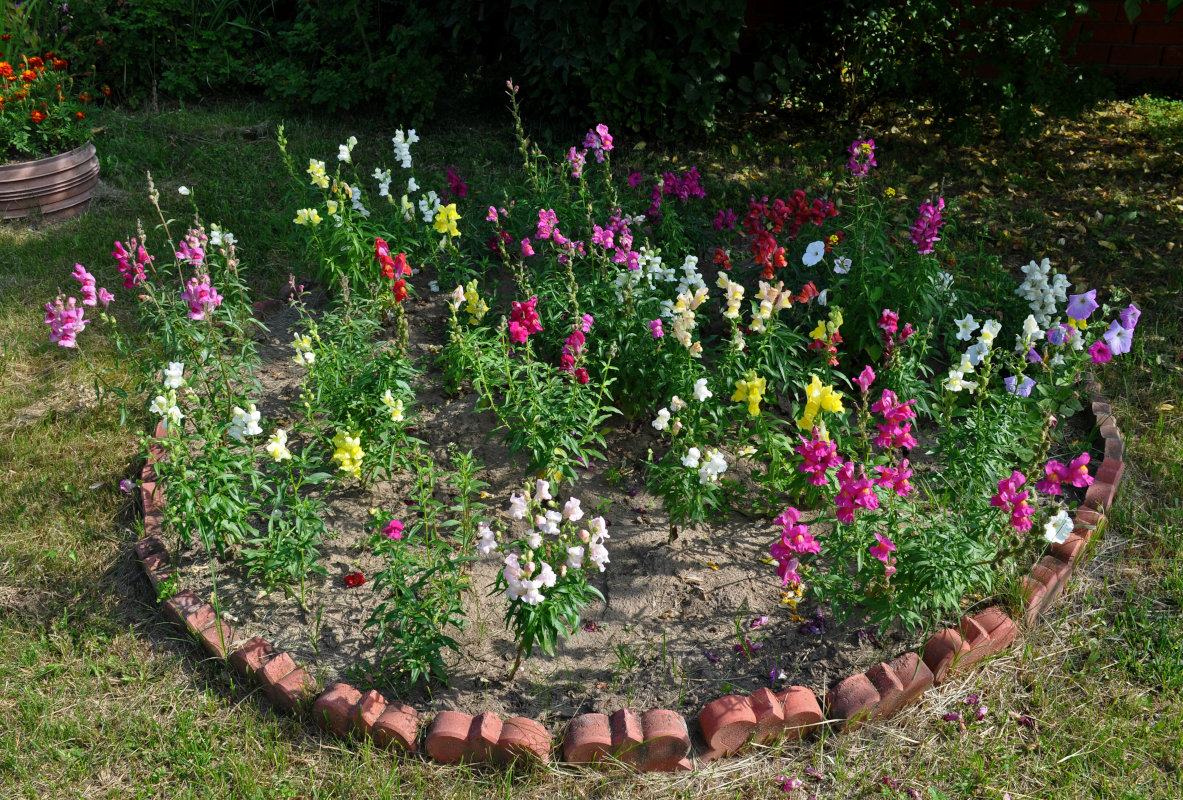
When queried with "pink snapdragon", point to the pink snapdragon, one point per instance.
{"points": [[548, 220], [820, 455], [883, 549], [132, 273], [456, 187], [655, 328], [1077, 472], [896, 478], [577, 159], [889, 322], [65, 321], [854, 492], [89, 291], [599, 141], [1011, 500], [897, 430], [794, 537], [191, 251], [865, 379], [527, 250], [524, 320], [927, 225], [393, 529], [862, 158], [725, 219], [1055, 474], [201, 296]]}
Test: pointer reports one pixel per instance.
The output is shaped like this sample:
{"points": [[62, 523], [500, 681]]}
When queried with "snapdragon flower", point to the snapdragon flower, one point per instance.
{"points": [[819, 456], [713, 466], [445, 220], [862, 157], [89, 289], [955, 382], [518, 506], [692, 458], [402, 146], [345, 151], [316, 171], [174, 375], [395, 405], [307, 216], [701, 392], [65, 321], [348, 453], [201, 296], [1043, 289], [966, 327], [487, 538], [927, 225], [750, 390], [303, 347], [245, 423], [1058, 528], [166, 406], [277, 446], [662, 421]]}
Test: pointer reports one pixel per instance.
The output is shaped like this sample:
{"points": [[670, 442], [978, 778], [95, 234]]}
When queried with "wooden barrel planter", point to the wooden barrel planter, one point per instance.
{"points": [[56, 187]]}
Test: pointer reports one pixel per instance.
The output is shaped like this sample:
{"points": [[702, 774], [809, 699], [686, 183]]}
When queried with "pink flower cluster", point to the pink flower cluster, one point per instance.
{"points": [[862, 158], [456, 187], [896, 431], [617, 238], [795, 540], [598, 141], [882, 550], [854, 492], [524, 320], [574, 346], [889, 323], [820, 455], [1055, 474], [132, 273], [192, 248], [896, 478], [92, 294], [65, 321], [548, 228], [684, 186], [1014, 502], [927, 225], [201, 296]]}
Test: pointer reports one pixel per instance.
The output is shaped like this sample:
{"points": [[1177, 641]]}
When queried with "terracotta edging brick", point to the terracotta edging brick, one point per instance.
{"points": [[658, 739]]}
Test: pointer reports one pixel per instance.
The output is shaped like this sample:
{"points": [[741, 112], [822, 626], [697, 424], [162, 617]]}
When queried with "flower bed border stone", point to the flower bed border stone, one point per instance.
{"points": [[657, 740]]}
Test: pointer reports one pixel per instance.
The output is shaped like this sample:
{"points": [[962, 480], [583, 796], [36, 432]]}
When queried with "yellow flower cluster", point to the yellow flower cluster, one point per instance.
{"points": [[476, 307], [395, 406], [445, 220], [750, 390], [826, 328], [684, 319], [277, 446], [819, 398], [307, 216], [772, 299], [317, 170], [348, 454]]}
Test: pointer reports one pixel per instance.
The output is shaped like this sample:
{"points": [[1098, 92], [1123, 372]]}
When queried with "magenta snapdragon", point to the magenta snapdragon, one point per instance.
{"points": [[854, 492], [65, 321], [201, 296], [524, 320], [132, 273], [819, 456], [862, 157], [927, 225], [89, 289], [896, 478], [1014, 502]]}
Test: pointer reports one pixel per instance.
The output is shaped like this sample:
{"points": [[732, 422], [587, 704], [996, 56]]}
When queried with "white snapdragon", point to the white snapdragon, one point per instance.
{"points": [[701, 392], [1058, 528], [245, 423], [966, 327], [572, 511], [402, 146], [663, 420], [542, 490], [167, 408], [487, 538], [303, 346], [383, 178], [575, 557], [355, 196], [174, 375], [345, 151], [1043, 290], [517, 506], [955, 382], [990, 329], [712, 467], [691, 459], [429, 206]]}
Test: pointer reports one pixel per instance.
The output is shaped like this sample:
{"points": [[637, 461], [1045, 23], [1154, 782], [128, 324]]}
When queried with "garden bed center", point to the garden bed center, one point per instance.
{"points": [[666, 635]]}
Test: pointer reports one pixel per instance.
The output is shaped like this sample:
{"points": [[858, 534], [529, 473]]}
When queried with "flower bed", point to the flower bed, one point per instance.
{"points": [[567, 335]]}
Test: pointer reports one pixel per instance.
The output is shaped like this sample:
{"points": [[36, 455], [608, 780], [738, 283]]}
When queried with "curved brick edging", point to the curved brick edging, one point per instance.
{"points": [[658, 740]]}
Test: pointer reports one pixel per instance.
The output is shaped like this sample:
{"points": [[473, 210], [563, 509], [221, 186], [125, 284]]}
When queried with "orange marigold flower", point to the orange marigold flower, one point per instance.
{"points": [[28, 76], [5, 69], [5, 37], [79, 115], [38, 116], [36, 63], [106, 90], [85, 97], [60, 63]]}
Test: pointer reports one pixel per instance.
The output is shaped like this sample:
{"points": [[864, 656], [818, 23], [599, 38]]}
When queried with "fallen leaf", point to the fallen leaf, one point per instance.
{"points": [[1107, 245]]}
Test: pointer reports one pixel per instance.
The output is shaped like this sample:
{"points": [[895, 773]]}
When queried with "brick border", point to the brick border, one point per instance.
{"points": [[658, 740]]}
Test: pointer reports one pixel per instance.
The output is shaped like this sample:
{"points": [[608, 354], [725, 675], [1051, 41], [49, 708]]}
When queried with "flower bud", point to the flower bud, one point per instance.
{"points": [[562, 570]]}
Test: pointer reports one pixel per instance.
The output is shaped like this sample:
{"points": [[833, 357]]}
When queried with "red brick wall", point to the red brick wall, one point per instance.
{"points": [[1147, 49]]}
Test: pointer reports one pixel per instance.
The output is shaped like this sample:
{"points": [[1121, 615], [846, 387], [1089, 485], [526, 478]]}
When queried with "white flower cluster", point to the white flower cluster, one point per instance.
{"points": [[526, 580], [355, 196], [383, 178], [973, 356], [1043, 289], [429, 206], [219, 237], [174, 375], [345, 151], [1030, 335], [402, 146], [245, 423], [713, 465], [166, 406]]}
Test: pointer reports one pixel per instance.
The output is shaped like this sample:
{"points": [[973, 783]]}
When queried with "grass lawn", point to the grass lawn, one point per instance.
{"points": [[100, 698]]}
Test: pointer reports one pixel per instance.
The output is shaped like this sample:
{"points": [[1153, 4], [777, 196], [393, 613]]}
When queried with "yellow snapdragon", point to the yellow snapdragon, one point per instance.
{"points": [[476, 307], [819, 398], [445, 220], [750, 390], [395, 406], [307, 216], [348, 453], [316, 169]]}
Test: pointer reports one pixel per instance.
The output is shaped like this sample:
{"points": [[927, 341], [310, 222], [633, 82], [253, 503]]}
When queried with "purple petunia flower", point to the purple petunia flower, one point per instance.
{"points": [[1119, 338], [1080, 306], [1129, 317]]}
